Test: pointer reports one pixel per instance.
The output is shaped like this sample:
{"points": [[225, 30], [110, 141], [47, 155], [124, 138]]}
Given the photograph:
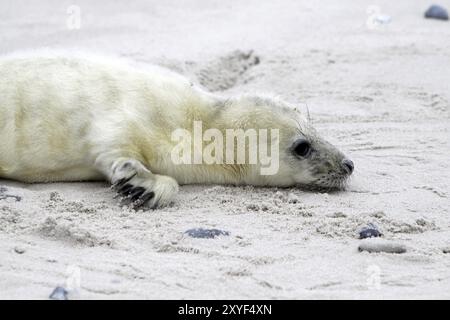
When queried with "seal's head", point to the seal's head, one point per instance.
{"points": [[305, 158], [316, 162]]}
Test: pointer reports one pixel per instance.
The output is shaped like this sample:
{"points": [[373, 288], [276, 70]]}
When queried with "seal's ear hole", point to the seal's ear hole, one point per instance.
{"points": [[301, 148]]}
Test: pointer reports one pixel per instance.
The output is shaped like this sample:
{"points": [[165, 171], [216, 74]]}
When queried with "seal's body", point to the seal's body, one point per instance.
{"points": [[68, 118]]}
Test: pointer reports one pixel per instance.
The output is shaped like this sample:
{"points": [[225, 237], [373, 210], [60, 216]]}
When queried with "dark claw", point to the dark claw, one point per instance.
{"points": [[122, 181], [144, 199], [125, 189], [136, 193], [118, 183]]}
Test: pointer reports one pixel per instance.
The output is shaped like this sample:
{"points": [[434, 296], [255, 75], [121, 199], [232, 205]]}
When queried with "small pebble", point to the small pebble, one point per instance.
{"points": [[59, 294], [379, 245], [292, 198], [206, 233], [369, 231], [436, 12], [446, 250], [19, 250]]}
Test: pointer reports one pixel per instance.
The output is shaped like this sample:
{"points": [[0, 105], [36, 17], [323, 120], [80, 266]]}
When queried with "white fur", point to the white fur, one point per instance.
{"points": [[71, 117]]}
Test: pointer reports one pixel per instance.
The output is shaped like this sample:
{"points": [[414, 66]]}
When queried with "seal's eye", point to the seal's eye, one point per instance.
{"points": [[302, 148]]}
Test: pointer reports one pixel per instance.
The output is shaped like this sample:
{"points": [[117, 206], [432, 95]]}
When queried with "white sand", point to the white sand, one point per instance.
{"points": [[380, 94]]}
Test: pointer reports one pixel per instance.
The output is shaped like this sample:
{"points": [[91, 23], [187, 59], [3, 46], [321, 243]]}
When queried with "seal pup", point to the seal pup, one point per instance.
{"points": [[75, 118]]}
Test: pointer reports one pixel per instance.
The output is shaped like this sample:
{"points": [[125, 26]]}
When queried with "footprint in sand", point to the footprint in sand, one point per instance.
{"points": [[225, 72]]}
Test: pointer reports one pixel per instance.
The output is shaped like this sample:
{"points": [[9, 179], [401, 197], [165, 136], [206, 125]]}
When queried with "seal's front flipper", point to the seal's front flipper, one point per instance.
{"points": [[137, 185]]}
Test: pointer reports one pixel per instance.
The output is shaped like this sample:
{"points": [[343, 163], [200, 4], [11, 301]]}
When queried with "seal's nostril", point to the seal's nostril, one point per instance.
{"points": [[348, 165]]}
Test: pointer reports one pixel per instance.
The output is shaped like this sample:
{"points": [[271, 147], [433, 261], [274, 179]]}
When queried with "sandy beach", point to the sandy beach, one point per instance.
{"points": [[375, 77]]}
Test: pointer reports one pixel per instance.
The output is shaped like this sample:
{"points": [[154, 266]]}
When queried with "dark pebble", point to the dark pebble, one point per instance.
{"points": [[59, 294], [19, 250], [436, 12], [206, 233], [370, 231]]}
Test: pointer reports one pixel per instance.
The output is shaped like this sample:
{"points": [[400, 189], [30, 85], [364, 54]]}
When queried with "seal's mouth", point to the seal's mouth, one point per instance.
{"points": [[330, 175], [327, 183], [332, 182]]}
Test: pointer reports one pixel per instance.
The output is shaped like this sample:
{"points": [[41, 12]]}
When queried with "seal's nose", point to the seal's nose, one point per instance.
{"points": [[348, 165]]}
